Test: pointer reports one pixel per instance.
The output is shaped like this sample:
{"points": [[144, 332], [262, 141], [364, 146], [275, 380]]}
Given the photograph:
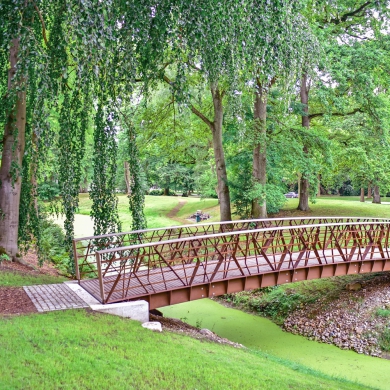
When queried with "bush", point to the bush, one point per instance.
{"points": [[156, 192], [382, 313], [275, 198], [243, 194], [52, 246], [384, 340], [4, 256]]}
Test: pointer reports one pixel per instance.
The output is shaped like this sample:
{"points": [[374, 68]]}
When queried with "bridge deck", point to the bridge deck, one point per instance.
{"points": [[179, 283]]}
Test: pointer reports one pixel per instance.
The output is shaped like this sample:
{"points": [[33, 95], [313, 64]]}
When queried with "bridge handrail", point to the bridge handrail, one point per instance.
{"points": [[84, 253], [220, 223], [233, 233]]}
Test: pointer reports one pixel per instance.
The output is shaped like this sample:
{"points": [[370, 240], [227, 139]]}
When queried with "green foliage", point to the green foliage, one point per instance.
{"points": [[103, 188], [206, 182], [384, 340], [48, 191], [156, 192], [52, 247], [4, 256], [244, 190], [137, 193], [383, 313], [81, 63], [278, 301]]}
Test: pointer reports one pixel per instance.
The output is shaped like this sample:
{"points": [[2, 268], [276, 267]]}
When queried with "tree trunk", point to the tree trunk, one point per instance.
{"points": [[166, 191], [127, 177], [369, 193], [219, 156], [304, 195], [377, 196], [299, 183], [259, 171], [34, 171], [13, 150], [362, 194], [319, 186], [304, 185]]}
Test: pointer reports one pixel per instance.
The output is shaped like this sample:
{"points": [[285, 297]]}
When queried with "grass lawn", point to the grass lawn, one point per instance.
{"points": [[17, 279], [157, 209], [348, 206], [164, 211], [78, 350]]}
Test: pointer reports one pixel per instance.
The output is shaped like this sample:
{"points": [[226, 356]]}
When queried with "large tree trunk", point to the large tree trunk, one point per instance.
{"points": [[13, 150], [362, 194], [304, 185], [259, 171], [219, 156], [377, 197], [369, 193], [127, 177]]}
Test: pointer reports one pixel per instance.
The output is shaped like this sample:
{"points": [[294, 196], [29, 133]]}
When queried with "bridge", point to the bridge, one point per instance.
{"points": [[171, 265]]}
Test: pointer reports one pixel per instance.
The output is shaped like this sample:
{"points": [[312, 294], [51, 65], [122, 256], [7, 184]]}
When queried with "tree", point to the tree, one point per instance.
{"points": [[340, 27], [86, 65]]}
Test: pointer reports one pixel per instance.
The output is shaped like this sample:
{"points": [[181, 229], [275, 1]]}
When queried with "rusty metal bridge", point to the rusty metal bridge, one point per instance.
{"points": [[182, 263]]}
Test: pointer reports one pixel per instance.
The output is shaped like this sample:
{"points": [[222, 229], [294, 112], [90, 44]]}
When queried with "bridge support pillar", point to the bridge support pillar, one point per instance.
{"points": [[135, 310]]}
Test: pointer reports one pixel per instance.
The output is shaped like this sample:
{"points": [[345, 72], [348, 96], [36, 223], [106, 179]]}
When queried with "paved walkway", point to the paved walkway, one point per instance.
{"points": [[48, 297]]}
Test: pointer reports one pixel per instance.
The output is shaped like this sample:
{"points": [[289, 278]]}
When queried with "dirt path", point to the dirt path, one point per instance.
{"points": [[173, 213]]}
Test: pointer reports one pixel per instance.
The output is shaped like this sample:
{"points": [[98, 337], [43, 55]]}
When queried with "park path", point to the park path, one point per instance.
{"points": [[61, 296], [173, 213]]}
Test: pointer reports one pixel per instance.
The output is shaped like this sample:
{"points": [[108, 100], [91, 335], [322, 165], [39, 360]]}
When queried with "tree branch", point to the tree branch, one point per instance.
{"points": [[353, 13], [344, 17], [42, 23], [311, 116], [193, 109], [201, 116]]}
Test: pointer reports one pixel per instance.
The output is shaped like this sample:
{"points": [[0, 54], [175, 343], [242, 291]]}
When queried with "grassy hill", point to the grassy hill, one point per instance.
{"points": [[82, 350]]}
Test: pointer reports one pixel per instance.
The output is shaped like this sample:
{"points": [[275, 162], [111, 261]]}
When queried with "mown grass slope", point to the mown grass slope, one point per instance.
{"points": [[80, 350]]}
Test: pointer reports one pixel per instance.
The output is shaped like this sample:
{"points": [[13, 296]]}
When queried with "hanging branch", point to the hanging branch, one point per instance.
{"points": [[136, 195]]}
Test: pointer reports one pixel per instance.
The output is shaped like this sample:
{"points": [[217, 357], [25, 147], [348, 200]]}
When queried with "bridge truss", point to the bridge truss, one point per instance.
{"points": [[184, 263]]}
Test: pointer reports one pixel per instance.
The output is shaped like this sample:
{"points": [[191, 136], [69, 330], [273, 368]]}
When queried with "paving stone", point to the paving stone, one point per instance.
{"points": [[54, 297]]}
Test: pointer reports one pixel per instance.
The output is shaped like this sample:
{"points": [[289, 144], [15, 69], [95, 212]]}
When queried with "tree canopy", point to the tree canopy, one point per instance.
{"points": [[250, 97]]}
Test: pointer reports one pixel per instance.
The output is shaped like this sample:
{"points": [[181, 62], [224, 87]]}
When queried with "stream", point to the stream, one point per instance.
{"points": [[260, 333]]}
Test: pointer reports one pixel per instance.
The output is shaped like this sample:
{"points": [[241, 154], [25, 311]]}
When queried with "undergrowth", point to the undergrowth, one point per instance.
{"points": [[278, 301], [384, 340]]}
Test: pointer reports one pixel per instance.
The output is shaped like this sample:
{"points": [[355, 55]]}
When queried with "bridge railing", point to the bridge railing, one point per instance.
{"points": [[149, 268], [84, 248]]}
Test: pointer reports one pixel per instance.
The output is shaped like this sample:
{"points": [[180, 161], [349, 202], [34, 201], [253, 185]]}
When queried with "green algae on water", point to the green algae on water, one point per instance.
{"points": [[260, 333]]}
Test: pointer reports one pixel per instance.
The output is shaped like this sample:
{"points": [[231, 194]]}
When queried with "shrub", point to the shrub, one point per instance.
{"points": [[156, 192], [4, 256], [384, 340], [382, 313], [52, 246]]}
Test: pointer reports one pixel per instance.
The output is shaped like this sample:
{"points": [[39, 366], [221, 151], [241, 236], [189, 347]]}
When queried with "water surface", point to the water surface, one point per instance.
{"points": [[260, 333]]}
